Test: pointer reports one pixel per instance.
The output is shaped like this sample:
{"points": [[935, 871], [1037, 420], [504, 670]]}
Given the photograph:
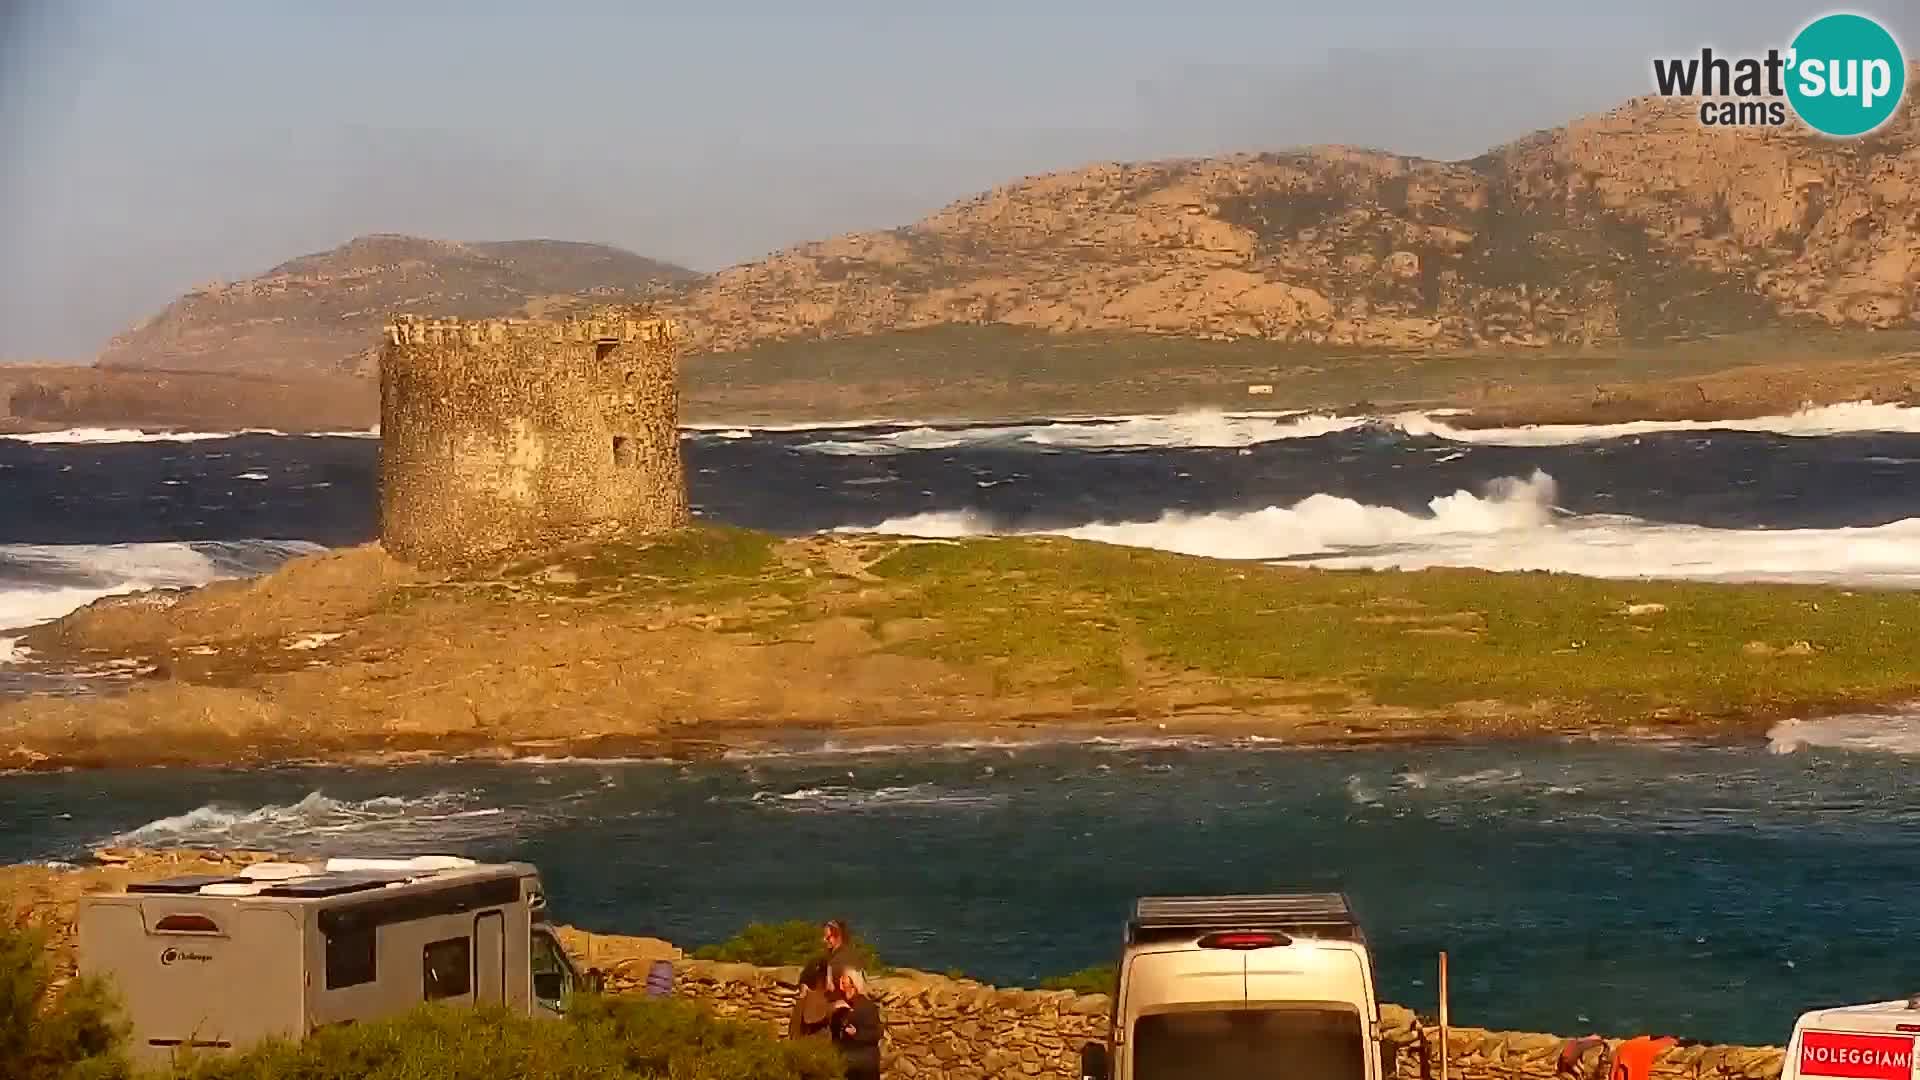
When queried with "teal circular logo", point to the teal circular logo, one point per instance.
{"points": [[1846, 76]]}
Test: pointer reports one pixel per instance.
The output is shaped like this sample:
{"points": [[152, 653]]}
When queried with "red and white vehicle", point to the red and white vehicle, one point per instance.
{"points": [[1856, 1042]]}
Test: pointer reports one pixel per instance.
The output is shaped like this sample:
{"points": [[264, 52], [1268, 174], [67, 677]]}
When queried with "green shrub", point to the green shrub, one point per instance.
{"points": [[794, 943], [73, 1033], [1100, 979], [601, 1039]]}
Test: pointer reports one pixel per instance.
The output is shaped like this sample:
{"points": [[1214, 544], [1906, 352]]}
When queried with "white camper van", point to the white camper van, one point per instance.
{"points": [[214, 962], [1856, 1042], [1242, 988]]}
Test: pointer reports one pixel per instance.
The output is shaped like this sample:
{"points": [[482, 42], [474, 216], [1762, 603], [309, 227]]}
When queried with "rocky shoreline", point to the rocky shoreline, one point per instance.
{"points": [[940, 1027]]}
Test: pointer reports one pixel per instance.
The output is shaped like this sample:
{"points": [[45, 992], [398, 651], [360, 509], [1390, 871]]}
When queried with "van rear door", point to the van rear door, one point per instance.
{"points": [[190, 977], [1302, 1011]]}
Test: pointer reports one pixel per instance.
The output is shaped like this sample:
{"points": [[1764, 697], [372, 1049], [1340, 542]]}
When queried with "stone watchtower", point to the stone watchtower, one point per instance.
{"points": [[500, 435]]}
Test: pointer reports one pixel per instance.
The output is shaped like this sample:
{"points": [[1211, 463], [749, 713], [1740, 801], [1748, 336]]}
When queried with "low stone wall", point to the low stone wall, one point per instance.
{"points": [[950, 1029]]}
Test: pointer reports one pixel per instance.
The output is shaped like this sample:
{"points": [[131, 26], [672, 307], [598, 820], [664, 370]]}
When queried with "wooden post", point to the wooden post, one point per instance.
{"points": [[1443, 1016]]}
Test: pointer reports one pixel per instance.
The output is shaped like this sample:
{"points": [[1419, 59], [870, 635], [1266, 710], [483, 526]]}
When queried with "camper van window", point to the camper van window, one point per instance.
{"points": [[350, 958], [447, 968], [1249, 1044]]}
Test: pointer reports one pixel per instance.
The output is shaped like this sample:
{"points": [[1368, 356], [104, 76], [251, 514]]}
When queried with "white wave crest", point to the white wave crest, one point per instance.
{"points": [[70, 436], [42, 582], [386, 823], [1189, 429], [1883, 733], [1511, 526], [1853, 417], [845, 799]]}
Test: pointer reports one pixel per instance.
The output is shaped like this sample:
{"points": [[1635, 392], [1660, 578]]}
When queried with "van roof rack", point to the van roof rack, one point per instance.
{"points": [[1315, 914]]}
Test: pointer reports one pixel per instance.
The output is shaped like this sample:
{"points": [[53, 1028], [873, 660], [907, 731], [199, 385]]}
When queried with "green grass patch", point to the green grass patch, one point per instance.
{"points": [[706, 562], [600, 1039], [1430, 639], [1036, 619], [70, 1033], [794, 943], [1099, 979], [1005, 371]]}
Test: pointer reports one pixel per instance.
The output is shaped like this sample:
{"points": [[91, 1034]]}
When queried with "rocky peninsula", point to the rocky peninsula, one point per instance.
{"points": [[694, 641]]}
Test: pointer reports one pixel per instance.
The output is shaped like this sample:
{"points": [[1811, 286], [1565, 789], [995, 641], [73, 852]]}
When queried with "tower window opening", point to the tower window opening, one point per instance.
{"points": [[622, 451]]}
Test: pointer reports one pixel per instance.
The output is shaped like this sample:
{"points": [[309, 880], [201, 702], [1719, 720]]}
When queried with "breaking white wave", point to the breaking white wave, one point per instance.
{"points": [[136, 435], [1511, 526], [1853, 417], [845, 799], [11, 651], [834, 749], [317, 822], [1190, 429], [1228, 430], [42, 582], [1883, 733]]}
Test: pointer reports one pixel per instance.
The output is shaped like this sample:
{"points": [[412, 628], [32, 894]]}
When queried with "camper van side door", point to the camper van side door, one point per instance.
{"points": [[552, 971]]}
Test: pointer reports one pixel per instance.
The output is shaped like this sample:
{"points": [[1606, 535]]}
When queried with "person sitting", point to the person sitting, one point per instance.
{"points": [[812, 1007], [857, 1027]]}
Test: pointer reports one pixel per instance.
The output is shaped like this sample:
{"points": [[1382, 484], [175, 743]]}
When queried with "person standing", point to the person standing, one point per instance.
{"points": [[857, 1027], [812, 1007], [838, 941]]}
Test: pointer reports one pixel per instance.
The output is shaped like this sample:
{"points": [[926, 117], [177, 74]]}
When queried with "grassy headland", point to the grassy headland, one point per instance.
{"points": [[721, 637], [992, 372]]}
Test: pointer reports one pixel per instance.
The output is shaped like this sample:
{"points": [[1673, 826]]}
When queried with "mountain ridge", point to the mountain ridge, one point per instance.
{"points": [[1636, 225], [320, 311]]}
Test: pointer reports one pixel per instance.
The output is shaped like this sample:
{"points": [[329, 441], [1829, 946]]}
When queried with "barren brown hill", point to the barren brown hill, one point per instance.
{"points": [[1636, 225], [322, 312]]}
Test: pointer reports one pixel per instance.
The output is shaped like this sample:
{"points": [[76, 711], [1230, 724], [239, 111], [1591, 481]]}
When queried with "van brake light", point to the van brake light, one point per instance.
{"points": [[1244, 939], [1908, 1028]]}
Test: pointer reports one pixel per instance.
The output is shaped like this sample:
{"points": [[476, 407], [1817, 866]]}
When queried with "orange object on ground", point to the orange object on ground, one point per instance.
{"points": [[1633, 1059]]}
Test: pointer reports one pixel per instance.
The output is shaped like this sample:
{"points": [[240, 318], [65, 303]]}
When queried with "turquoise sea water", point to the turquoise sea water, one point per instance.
{"points": [[1713, 891]]}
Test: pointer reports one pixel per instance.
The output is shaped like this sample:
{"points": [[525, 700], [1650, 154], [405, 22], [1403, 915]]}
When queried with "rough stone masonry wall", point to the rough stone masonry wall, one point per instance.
{"points": [[947, 1029], [508, 434]]}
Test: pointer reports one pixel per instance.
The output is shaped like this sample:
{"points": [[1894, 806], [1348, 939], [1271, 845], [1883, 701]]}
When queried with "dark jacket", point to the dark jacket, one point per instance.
{"points": [[812, 1013], [813, 1005], [856, 1031]]}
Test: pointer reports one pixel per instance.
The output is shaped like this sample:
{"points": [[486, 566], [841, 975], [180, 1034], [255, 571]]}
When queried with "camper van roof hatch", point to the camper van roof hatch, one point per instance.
{"points": [[186, 883], [332, 884]]}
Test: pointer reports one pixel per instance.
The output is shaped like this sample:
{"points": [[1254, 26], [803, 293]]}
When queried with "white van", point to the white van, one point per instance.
{"points": [[1242, 988], [1856, 1042], [218, 962]]}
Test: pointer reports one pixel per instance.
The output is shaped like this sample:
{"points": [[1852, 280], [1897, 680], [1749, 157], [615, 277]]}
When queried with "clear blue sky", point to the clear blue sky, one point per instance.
{"points": [[149, 146]]}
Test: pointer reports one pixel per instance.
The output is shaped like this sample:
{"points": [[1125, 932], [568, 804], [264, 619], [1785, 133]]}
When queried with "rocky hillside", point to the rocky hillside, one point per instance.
{"points": [[323, 312], [1635, 225]]}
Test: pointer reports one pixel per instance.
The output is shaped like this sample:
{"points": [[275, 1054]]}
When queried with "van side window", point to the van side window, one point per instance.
{"points": [[350, 957], [447, 968]]}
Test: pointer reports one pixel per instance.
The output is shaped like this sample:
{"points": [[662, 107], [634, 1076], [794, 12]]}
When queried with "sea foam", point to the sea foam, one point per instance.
{"points": [[1511, 525]]}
